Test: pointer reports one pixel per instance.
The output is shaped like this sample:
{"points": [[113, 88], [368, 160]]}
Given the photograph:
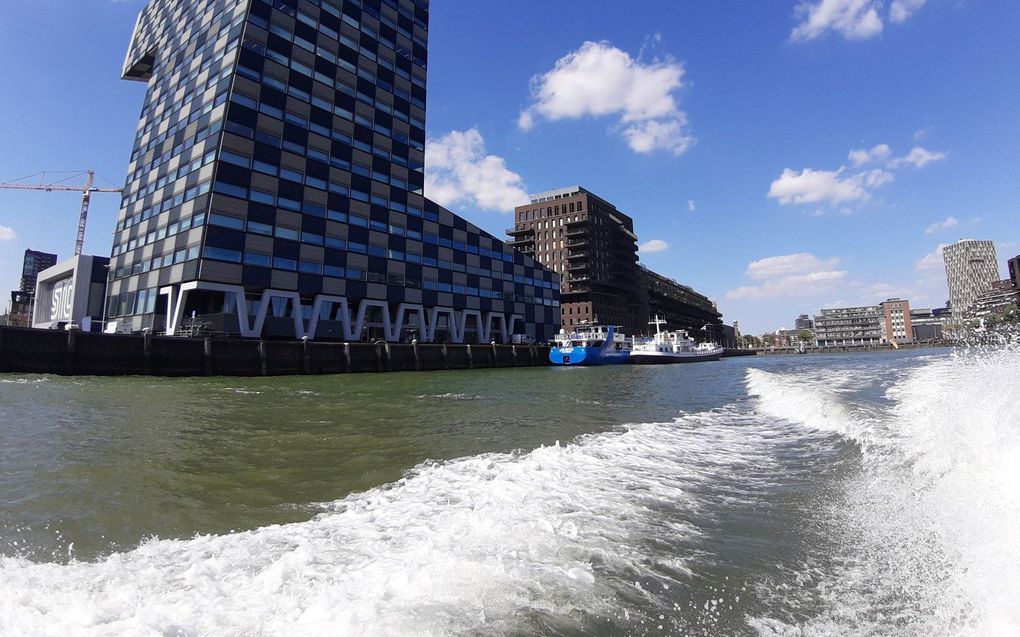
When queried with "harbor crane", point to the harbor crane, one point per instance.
{"points": [[86, 191]]}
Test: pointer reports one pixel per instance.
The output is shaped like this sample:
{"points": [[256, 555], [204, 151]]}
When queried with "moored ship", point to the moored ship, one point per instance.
{"points": [[672, 347], [591, 345]]}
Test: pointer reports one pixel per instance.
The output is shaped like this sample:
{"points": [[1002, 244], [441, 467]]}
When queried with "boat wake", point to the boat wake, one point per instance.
{"points": [[926, 532], [549, 540]]}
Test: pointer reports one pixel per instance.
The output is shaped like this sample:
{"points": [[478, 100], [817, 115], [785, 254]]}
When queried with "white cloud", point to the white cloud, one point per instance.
{"points": [[458, 170], [853, 19], [877, 177], [599, 80], [917, 157], [878, 152], [787, 264], [933, 260], [950, 222], [841, 186], [900, 10], [7, 233], [790, 275], [655, 245], [817, 186], [645, 137], [690, 205]]}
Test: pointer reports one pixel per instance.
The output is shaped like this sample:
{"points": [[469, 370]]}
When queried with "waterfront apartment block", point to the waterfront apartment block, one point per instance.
{"points": [[1000, 297], [592, 245], [896, 321], [971, 268], [275, 186], [680, 306], [843, 326]]}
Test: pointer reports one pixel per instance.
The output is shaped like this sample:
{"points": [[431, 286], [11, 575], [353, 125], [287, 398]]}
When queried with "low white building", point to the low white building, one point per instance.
{"points": [[71, 292]]}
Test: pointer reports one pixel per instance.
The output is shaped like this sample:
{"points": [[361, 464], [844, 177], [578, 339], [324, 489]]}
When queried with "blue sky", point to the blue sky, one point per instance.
{"points": [[782, 156]]}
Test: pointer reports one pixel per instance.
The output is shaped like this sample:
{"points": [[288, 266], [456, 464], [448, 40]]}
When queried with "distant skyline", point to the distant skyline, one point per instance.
{"points": [[778, 157]]}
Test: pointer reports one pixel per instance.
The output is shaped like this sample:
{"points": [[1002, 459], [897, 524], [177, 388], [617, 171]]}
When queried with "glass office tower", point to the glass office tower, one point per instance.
{"points": [[275, 188]]}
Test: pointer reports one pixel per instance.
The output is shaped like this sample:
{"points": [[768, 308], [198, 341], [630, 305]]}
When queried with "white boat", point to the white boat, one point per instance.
{"points": [[672, 347]]}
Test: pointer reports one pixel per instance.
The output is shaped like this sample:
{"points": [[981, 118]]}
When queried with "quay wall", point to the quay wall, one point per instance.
{"points": [[730, 352], [843, 349], [25, 350]]}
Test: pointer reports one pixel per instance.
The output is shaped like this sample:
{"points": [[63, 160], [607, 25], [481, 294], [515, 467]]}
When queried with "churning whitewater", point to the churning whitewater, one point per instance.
{"points": [[849, 496]]}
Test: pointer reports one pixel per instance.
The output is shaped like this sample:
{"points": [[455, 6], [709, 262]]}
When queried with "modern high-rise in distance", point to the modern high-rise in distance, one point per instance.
{"points": [[23, 299], [592, 245], [34, 263], [971, 268], [275, 188]]}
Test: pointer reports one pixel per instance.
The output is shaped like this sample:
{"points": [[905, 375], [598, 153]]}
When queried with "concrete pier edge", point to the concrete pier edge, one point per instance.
{"points": [[32, 351]]}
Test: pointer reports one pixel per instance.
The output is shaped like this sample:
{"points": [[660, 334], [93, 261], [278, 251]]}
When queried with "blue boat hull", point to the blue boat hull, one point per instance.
{"points": [[588, 356]]}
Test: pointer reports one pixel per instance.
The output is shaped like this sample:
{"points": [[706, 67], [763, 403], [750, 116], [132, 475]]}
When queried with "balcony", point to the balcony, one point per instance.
{"points": [[577, 267], [514, 232]]}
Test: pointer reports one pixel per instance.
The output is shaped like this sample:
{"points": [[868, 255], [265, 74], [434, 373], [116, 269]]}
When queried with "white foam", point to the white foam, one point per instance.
{"points": [[931, 524], [482, 541], [449, 396]]}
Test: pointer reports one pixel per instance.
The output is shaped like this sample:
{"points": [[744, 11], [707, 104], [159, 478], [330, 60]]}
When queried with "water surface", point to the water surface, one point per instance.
{"points": [[853, 494]]}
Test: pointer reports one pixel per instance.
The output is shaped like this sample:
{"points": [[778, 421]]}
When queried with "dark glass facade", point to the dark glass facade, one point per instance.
{"points": [[275, 187], [34, 263]]}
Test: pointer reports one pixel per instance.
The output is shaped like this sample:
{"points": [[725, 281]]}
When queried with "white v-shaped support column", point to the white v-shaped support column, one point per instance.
{"points": [[359, 323], [481, 330], [345, 314], [434, 313], [403, 310]]}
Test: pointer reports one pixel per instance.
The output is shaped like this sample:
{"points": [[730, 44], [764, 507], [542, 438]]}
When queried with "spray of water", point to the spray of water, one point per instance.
{"points": [[926, 534]]}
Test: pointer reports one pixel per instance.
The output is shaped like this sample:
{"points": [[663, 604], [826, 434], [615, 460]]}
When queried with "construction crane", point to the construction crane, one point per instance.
{"points": [[86, 191]]}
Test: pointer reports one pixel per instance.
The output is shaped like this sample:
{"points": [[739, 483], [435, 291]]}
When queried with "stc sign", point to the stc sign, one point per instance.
{"points": [[63, 300]]}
